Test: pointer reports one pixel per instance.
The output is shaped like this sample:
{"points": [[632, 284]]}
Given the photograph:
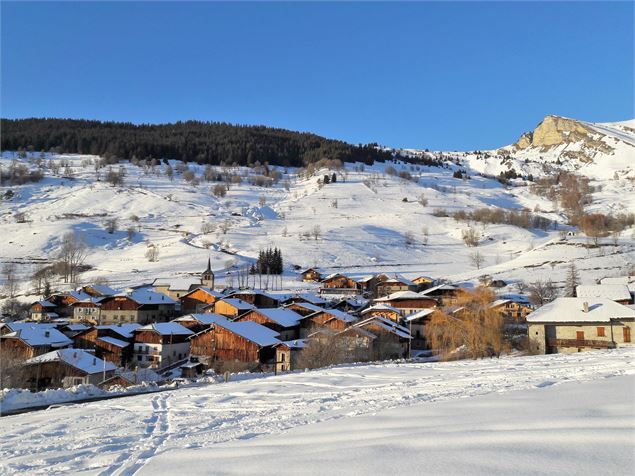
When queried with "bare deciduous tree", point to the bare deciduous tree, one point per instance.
{"points": [[316, 231], [470, 237], [73, 252], [477, 259], [152, 253], [542, 292], [10, 275]]}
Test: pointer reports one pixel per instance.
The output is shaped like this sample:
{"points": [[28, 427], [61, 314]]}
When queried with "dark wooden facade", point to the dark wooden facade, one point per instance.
{"points": [[219, 344]]}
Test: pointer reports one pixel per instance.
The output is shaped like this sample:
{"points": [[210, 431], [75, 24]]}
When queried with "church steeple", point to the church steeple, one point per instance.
{"points": [[207, 278]]}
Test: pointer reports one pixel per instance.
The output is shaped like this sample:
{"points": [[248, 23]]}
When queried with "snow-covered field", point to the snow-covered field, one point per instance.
{"points": [[564, 414], [363, 234]]}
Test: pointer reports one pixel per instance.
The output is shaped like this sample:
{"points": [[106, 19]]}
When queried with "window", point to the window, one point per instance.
{"points": [[601, 332], [579, 335], [139, 358]]}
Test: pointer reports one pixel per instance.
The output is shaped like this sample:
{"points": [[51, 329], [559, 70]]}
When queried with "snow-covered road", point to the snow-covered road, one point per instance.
{"points": [[123, 436]]}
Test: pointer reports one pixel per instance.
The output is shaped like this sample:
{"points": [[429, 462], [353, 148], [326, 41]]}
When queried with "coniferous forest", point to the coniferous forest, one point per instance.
{"points": [[213, 143]]}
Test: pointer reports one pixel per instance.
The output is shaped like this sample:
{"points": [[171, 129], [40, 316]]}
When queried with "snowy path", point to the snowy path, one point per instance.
{"points": [[121, 436]]}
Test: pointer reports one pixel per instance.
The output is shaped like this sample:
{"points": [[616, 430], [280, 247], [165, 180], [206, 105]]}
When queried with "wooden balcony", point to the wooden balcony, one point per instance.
{"points": [[596, 344]]}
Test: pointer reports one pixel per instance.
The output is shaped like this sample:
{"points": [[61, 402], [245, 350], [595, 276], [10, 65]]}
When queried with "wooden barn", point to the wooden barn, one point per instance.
{"points": [[43, 311], [309, 298], [161, 344], [423, 282], [98, 290], [141, 306], [227, 341], [392, 340], [111, 343], [383, 310], [232, 307], [256, 298], [284, 321], [197, 300], [198, 322], [25, 340], [339, 284], [393, 284], [408, 302], [287, 354], [446, 294], [66, 368], [332, 319], [303, 308], [311, 275]]}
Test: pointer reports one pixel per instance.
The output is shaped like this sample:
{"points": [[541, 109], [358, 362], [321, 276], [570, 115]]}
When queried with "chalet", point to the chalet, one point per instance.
{"points": [[626, 280], [66, 368], [446, 294], [354, 343], [577, 324], [161, 344], [228, 341], [332, 319], [392, 340], [197, 300], [141, 305], [197, 322], [394, 284], [339, 284], [512, 311], [64, 301], [423, 282], [303, 308], [256, 298], [231, 307], [25, 340], [287, 353], [284, 321], [71, 330], [98, 290], [87, 310], [383, 310], [43, 311], [311, 275], [111, 343], [416, 323], [408, 301], [615, 292]]}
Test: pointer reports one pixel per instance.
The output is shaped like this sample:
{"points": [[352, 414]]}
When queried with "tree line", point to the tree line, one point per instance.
{"points": [[213, 143]]}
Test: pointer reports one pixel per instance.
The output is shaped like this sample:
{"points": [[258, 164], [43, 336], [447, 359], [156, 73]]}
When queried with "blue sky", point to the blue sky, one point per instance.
{"points": [[427, 75]]}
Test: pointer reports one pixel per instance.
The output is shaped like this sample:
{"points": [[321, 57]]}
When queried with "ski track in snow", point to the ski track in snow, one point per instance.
{"points": [[120, 437]]}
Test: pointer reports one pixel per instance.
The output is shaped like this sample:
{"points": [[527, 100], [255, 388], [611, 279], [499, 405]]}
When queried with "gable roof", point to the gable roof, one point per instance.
{"points": [[336, 314], [78, 358], [124, 330], [206, 290], [309, 297], [397, 278], [419, 315], [166, 328], [282, 316], [238, 303], [387, 325], [403, 295], [306, 305], [440, 287], [102, 289], [381, 307], [570, 309], [204, 319], [146, 296], [252, 331], [614, 292], [115, 342], [36, 335], [44, 303]]}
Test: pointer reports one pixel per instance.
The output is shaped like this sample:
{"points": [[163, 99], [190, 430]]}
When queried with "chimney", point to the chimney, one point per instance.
{"points": [[585, 306], [94, 360], [74, 355], [47, 334]]}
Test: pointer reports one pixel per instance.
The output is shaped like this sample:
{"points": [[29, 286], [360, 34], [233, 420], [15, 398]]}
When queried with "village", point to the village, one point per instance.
{"points": [[179, 329]]}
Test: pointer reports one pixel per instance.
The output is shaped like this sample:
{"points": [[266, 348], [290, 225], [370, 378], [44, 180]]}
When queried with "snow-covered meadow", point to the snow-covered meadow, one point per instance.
{"points": [[553, 414], [363, 220]]}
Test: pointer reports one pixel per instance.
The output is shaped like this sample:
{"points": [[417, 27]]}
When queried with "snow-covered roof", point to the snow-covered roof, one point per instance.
{"points": [[280, 315], [309, 297], [401, 295], [358, 330], [419, 314], [386, 324], [339, 315], [124, 330], [618, 280], [517, 298], [207, 290], [79, 295], [614, 292], [77, 327], [295, 344], [146, 296], [570, 309], [166, 328], [440, 287], [36, 335], [261, 335], [381, 307], [177, 284], [205, 319], [397, 278], [45, 303], [238, 303], [78, 358], [500, 302], [113, 341], [308, 306], [102, 289]]}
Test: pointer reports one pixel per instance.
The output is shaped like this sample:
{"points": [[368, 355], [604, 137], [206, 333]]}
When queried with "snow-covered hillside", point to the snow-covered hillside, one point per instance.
{"points": [[350, 416], [363, 218]]}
